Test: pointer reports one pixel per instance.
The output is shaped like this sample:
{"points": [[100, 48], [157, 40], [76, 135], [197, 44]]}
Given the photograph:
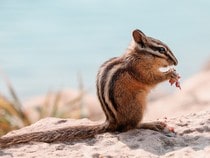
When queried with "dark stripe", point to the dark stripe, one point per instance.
{"points": [[103, 83], [100, 99], [156, 48], [115, 77], [170, 54]]}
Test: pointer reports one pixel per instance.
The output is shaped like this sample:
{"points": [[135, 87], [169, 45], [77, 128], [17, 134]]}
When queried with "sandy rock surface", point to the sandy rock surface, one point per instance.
{"points": [[192, 139]]}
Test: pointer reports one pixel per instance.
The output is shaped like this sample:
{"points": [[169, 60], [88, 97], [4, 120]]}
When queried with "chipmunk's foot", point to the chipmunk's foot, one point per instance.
{"points": [[160, 127], [155, 126]]}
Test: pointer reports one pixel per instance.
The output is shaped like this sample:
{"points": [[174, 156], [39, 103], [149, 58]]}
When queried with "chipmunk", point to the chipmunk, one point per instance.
{"points": [[123, 84]]}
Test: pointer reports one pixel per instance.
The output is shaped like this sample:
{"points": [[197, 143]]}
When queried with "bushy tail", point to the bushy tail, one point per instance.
{"points": [[58, 135]]}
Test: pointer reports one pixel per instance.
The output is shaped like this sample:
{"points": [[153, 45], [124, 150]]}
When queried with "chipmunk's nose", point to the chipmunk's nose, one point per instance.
{"points": [[175, 61], [173, 58]]}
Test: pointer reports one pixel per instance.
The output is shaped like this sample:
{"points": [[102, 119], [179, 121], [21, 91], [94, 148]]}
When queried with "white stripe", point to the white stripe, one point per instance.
{"points": [[100, 74], [107, 88]]}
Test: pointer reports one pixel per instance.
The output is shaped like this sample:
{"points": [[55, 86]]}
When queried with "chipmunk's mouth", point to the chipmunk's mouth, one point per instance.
{"points": [[166, 68]]}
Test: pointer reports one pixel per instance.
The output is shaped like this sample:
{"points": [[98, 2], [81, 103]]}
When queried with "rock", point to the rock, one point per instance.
{"points": [[192, 139]]}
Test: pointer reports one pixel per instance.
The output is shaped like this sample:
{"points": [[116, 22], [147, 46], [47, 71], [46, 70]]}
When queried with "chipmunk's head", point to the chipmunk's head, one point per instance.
{"points": [[156, 51]]}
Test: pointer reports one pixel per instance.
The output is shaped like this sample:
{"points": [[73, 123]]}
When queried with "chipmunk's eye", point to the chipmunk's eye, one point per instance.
{"points": [[161, 49]]}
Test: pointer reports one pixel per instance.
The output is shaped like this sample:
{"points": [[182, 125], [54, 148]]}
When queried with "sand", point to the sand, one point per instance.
{"points": [[192, 139]]}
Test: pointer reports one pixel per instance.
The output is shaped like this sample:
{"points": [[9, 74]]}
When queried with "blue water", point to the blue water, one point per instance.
{"points": [[45, 44]]}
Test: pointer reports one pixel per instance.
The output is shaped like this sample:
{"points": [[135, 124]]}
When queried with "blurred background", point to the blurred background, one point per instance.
{"points": [[50, 52], [45, 44]]}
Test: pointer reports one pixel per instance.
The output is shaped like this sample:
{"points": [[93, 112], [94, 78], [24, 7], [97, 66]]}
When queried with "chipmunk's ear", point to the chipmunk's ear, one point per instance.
{"points": [[139, 37]]}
